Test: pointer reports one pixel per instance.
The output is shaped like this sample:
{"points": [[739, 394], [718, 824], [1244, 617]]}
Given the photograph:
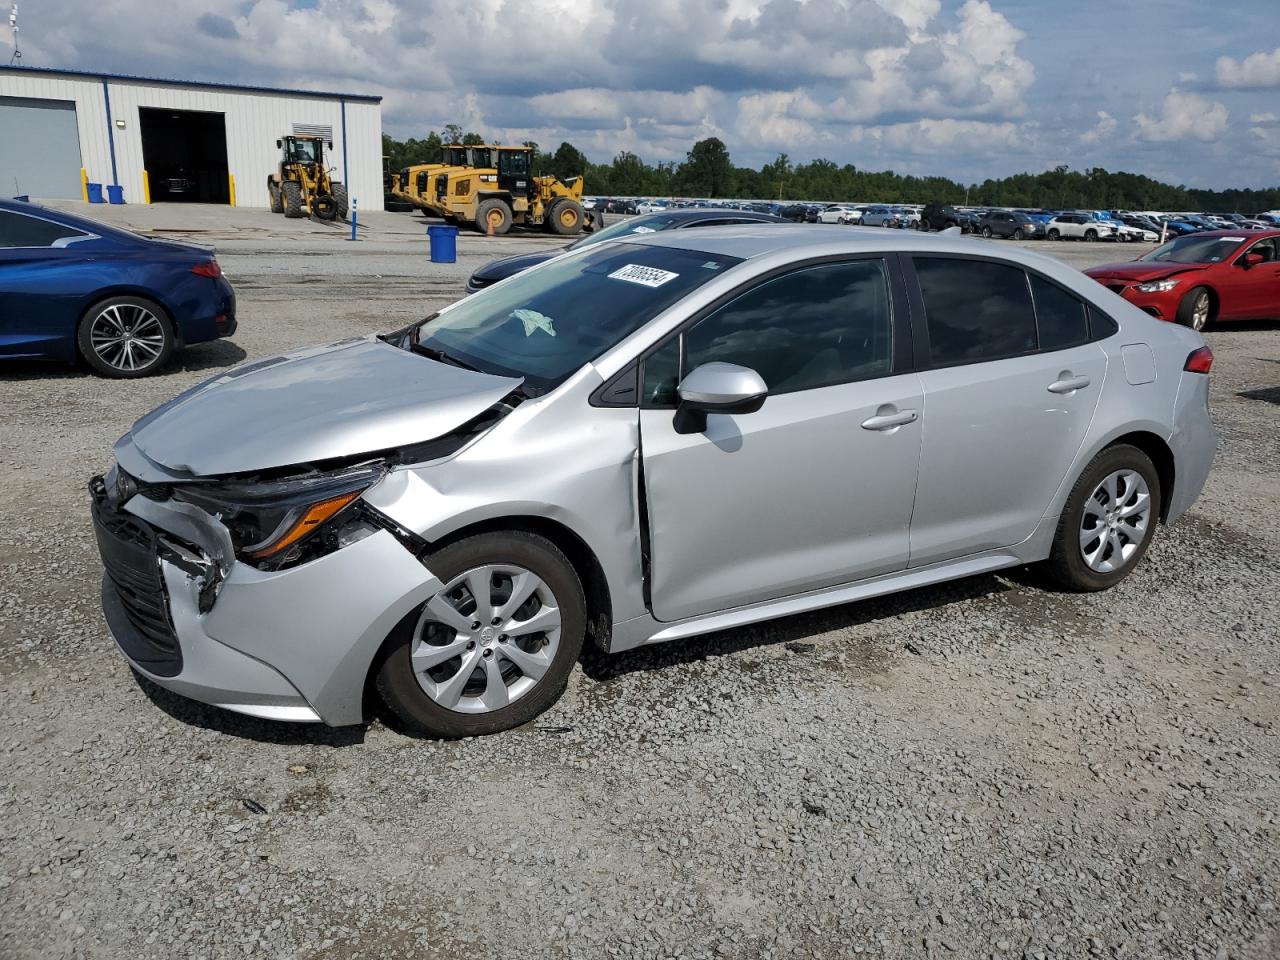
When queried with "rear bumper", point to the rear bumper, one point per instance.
{"points": [[294, 644], [1194, 443]]}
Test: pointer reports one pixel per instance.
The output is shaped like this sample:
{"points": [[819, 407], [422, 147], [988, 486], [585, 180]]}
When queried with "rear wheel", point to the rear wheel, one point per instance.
{"points": [[495, 647], [493, 216], [1196, 309], [277, 203], [1108, 522], [125, 337], [565, 217], [292, 191], [340, 199]]}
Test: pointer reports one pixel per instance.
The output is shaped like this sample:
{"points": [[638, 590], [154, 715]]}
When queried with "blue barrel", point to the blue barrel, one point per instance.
{"points": [[95, 192], [115, 193], [444, 243]]}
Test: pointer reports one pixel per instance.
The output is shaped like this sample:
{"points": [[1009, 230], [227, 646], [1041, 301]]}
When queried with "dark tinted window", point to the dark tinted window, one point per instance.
{"points": [[812, 328], [1060, 317], [661, 376], [18, 230], [975, 310], [1101, 326]]}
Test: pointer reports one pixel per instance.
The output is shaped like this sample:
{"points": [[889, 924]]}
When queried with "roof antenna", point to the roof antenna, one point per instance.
{"points": [[13, 25]]}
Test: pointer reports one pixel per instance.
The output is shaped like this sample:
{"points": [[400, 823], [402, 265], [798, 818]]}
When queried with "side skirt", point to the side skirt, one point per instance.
{"points": [[644, 630]]}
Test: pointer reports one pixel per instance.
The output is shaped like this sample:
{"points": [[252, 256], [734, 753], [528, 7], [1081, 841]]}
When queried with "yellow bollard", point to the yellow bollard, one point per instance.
{"points": [[84, 184], [231, 182], [146, 187]]}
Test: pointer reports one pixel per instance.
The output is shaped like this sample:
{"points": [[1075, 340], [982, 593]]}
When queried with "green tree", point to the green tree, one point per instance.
{"points": [[452, 133], [568, 161], [707, 170]]}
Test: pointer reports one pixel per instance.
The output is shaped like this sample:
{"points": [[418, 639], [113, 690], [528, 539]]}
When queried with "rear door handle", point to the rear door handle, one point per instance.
{"points": [[889, 421], [1068, 384]]}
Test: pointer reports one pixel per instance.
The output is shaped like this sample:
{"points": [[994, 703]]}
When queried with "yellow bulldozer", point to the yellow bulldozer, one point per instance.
{"points": [[504, 191], [302, 186], [416, 180]]}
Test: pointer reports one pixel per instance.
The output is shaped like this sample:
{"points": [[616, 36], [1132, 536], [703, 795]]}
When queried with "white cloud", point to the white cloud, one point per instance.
{"points": [[1255, 71], [1266, 117], [1183, 116], [1101, 130]]}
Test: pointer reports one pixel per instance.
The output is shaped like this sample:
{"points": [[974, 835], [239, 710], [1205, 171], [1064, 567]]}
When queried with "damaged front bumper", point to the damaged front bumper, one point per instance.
{"points": [[293, 644]]}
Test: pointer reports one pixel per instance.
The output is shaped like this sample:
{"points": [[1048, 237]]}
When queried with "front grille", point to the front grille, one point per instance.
{"points": [[477, 282], [133, 593]]}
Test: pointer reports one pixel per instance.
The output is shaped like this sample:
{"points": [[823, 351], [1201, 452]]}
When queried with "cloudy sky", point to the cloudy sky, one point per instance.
{"points": [[1184, 90]]}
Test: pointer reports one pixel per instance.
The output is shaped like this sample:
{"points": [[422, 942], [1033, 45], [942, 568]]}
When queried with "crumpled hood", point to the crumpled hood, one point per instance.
{"points": [[1140, 271], [337, 400]]}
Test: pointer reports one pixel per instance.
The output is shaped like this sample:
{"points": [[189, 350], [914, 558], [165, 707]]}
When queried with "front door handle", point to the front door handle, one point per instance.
{"points": [[889, 421], [1066, 383]]}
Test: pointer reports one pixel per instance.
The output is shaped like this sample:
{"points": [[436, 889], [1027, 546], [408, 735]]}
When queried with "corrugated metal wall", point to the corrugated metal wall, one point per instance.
{"points": [[254, 121]]}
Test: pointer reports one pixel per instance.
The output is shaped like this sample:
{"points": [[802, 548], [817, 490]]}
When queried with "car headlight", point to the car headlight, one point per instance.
{"points": [[277, 523], [1157, 286]]}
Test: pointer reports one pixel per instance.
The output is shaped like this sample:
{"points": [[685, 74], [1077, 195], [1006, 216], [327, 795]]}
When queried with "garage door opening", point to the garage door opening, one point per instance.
{"points": [[185, 155]]}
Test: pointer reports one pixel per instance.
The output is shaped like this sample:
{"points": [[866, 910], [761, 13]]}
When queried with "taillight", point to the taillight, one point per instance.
{"points": [[1199, 361], [209, 268]]}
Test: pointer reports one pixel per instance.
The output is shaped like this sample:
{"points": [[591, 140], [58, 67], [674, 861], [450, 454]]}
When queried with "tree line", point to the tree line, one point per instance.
{"points": [[708, 172]]}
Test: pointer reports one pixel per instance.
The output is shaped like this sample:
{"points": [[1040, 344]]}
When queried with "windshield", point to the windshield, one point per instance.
{"points": [[304, 151], [625, 228], [1195, 249], [547, 323]]}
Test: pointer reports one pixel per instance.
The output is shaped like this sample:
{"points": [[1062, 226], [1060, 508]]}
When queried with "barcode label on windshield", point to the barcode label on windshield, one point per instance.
{"points": [[646, 276]]}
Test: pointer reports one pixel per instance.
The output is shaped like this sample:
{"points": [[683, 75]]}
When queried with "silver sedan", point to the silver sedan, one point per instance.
{"points": [[645, 440]]}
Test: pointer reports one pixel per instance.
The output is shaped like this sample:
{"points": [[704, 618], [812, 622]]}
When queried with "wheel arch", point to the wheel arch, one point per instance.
{"points": [[1161, 456]]}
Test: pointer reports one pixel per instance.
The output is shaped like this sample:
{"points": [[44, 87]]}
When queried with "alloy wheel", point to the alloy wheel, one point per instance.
{"points": [[127, 337], [486, 639], [1116, 520], [1200, 311]]}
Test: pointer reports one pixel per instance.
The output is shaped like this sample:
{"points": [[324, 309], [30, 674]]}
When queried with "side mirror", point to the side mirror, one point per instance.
{"points": [[330, 142], [279, 144], [1252, 260], [717, 388]]}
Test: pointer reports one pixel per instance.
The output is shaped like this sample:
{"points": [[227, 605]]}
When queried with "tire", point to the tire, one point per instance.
{"points": [[398, 677], [1196, 309], [1055, 234], [277, 202], [292, 191], [986, 233], [1067, 563], [1091, 235], [565, 217], [1018, 234], [340, 199], [493, 213], [324, 208], [103, 337]]}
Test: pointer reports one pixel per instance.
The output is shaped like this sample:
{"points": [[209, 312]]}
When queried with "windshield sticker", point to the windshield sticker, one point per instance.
{"points": [[645, 276], [712, 265], [644, 230], [1232, 239], [533, 320]]}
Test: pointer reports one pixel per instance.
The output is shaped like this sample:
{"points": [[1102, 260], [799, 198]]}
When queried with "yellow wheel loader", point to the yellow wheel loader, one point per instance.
{"points": [[416, 180], [492, 198], [301, 186]]}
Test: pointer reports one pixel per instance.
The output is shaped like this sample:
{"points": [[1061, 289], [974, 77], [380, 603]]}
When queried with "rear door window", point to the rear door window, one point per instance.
{"points": [[975, 310], [19, 230]]}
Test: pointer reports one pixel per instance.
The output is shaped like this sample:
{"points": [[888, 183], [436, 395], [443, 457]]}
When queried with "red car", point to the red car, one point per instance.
{"points": [[1192, 280]]}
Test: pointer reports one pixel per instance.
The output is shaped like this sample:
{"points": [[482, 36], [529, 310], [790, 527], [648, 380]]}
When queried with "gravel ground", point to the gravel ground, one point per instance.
{"points": [[984, 769]]}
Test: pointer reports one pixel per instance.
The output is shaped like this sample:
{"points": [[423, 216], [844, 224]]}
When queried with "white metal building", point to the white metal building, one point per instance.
{"points": [[173, 140]]}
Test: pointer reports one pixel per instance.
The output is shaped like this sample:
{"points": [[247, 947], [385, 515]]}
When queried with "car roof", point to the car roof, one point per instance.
{"points": [[67, 219], [746, 241], [1229, 232]]}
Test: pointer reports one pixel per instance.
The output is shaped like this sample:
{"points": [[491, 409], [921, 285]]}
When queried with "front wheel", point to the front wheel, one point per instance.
{"points": [[986, 233], [565, 217], [1108, 522], [340, 199], [125, 337], [495, 647], [1018, 234], [1055, 234], [1195, 309], [1091, 235]]}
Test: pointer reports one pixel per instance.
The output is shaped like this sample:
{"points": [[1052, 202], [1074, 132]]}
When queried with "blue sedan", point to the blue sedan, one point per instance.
{"points": [[74, 289]]}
